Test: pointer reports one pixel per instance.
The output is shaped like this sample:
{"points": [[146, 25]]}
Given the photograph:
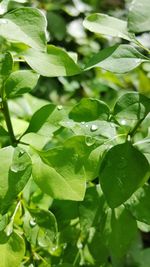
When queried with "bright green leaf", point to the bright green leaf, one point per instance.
{"points": [[59, 173], [12, 250], [25, 25]]}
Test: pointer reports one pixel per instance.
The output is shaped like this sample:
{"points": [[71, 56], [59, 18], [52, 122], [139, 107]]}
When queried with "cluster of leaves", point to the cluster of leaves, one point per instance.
{"points": [[74, 179]]}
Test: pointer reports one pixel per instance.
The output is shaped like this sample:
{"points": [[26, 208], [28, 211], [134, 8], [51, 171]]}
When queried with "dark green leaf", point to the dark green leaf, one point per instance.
{"points": [[89, 109], [56, 25], [123, 232], [131, 108], [123, 170], [139, 204]]}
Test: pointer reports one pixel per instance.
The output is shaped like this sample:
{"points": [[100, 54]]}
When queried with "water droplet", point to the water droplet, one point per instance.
{"points": [[54, 248], [82, 122], [64, 245], [123, 122], [89, 140], [94, 128], [79, 245], [9, 230], [14, 168], [32, 222], [86, 125], [59, 107], [17, 167]]}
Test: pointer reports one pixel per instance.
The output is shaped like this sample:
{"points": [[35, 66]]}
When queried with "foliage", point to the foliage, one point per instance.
{"points": [[74, 177]]}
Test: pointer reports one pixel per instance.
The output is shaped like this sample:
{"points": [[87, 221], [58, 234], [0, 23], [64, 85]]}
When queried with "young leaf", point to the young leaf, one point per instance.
{"points": [[25, 25], [20, 82], [107, 25], [14, 174], [138, 16], [123, 170], [12, 250], [118, 58], [131, 108], [89, 109], [56, 62], [139, 204]]}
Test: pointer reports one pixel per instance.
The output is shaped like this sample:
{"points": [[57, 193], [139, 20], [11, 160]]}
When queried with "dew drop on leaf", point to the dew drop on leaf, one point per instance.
{"points": [[123, 122], [59, 107], [9, 230], [32, 222], [94, 128]]}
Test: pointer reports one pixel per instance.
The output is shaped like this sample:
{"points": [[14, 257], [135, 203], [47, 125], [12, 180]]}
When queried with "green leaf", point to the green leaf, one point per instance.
{"points": [[123, 170], [143, 258], [89, 109], [56, 25], [59, 172], [46, 120], [6, 65], [89, 213], [138, 16], [20, 82], [123, 232], [107, 25], [56, 62], [47, 223], [119, 58], [14, 173], [139, 204], [25, 25], [98, 128], [131, 108], [12, 250]]}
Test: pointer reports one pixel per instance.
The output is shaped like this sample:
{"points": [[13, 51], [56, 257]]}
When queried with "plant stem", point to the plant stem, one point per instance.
{"points": [[131, 133], [8, 122]]}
